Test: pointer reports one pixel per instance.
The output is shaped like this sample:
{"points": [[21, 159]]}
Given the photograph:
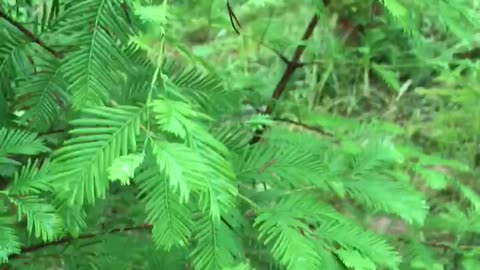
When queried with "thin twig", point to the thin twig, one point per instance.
{"points": [[66, 240], [282, 84], [287, 74], [233, 18], [247, 200], [29, 34], [305, 126], [267, 165], [275, 51]]}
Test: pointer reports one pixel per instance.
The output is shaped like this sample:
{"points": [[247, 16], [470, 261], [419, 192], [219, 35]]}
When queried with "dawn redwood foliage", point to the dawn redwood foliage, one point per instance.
{"points": [[122, 148]]}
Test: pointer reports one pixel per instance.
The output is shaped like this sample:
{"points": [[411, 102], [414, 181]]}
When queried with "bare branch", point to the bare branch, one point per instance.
{"points": [[287, 74]]}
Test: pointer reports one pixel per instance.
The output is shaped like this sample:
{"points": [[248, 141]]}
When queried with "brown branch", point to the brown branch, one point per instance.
{"points": [[66, 240], [318, 130], [287, 74], [29, 34], [267, 165], [276, 52], [282, 84], [233, 18]]}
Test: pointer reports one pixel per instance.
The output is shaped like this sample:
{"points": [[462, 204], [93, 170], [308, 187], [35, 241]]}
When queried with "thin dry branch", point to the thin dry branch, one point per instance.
{"points": [[287, 74], [66, 240], [315, 129], [29, 34]]}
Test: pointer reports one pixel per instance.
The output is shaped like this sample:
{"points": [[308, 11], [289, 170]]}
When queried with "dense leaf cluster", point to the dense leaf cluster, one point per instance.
{"points": [[122, 148]]}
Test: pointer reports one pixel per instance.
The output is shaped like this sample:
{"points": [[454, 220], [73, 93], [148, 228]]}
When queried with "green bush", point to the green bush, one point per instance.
{"points": [[254, 135]]}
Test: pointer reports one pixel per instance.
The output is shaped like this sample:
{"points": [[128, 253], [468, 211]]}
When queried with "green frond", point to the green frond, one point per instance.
{"points": [[42, 95], [217, 246], [123, 168], [330, 261], [171, 218], [381, 194], [458, 17], [451, 218], [207, 178], [32, 179], [177, 117], [95, 69], [469, 194], [42, 219], [9, 241], [234, 137], [281, 229], [19, 142], [14, 48], [388, 76], [214, 175], [351, 237], [174, 162], [281, 226], [102, 135], [138, 80], [221, 192], [354, 260], [126, 132], [397, 9], [206, 89], [284, 165], [73, 216], [418, 254], [371, 155]]}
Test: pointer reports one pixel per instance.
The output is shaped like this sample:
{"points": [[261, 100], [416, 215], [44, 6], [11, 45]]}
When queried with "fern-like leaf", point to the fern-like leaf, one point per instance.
{"points": [[217, 245], [354, 260], [32, 179], [284, 165], [19, 142], [94, 70], [14, 47], [176, 117], [42, 219], [171, 219], [9, 241], [100, 137], [179, 118], [123, 168], [281, 228], [350, 236], [381, 194], [43, 94]]}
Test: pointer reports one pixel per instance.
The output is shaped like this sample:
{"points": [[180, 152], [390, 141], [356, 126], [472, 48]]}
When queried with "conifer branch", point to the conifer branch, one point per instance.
{"points": [[29, 34]]}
